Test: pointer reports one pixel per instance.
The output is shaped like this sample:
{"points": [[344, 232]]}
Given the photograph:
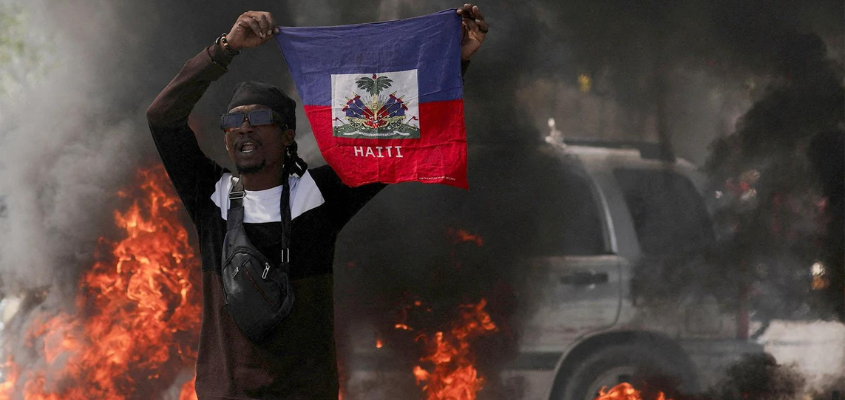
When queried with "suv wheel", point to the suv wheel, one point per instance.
{"points": [[613, 365]]}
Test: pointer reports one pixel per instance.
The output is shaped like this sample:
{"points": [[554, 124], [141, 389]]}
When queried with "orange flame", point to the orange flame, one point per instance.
{"points": [[11, 369], [453, 376], [137, 312], [188, 392], [462, 236], [624, 391]]}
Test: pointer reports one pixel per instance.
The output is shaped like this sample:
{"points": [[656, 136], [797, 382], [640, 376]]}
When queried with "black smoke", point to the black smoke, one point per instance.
{"points": [[677, 72]]}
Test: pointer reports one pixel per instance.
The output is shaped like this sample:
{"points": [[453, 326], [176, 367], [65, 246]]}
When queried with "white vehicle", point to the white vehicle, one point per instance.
{"points": [[586, 317], [594, 212]]}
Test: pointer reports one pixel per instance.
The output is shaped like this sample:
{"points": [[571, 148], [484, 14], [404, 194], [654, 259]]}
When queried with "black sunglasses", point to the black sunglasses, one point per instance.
{"points": [[232, 121]]}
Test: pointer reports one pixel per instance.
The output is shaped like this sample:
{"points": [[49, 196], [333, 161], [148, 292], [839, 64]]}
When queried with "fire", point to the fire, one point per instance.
{"points": [[13, 372], [451, 374], [624, 391], [462, 236], [137, 312], [188, 392]]}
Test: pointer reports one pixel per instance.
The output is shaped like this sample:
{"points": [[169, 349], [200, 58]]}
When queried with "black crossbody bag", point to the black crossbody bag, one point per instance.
{"points": [[258, 295]]}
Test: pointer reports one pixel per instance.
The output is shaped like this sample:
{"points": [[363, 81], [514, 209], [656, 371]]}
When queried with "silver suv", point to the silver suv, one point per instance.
{"points": [[587, 315], [575, 222]]}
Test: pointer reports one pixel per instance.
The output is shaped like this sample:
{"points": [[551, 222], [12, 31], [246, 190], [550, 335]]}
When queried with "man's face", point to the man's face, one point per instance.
{"points": [[254, 148]]}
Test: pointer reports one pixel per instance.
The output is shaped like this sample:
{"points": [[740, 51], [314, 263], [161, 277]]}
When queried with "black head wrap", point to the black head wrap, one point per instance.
{"points": [[252, 92]]}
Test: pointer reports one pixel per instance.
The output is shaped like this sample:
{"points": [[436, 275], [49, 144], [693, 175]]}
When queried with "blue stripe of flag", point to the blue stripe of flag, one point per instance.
{"points": [[430, 43]]}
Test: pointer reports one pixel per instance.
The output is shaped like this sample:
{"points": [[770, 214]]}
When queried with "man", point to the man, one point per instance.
{"points": [[297, 360]]}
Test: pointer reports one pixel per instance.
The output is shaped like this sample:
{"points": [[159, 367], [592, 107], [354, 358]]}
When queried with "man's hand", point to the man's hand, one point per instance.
{"points": [[473, 30], [251, 29]]}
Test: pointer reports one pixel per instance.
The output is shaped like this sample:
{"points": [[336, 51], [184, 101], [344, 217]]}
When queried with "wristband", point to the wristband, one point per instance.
{"points": [[222, 39]]}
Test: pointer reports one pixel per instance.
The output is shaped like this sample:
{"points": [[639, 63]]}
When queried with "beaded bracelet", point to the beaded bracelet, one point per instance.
{"points": [[222, 39]]}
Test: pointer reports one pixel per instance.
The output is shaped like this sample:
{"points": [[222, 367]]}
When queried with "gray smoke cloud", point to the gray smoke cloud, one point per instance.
{"points": [[68, 142], [74, 133]]}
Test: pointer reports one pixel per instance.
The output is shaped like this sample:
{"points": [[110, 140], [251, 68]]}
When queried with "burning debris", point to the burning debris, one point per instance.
{"points": [[754, 377], [452, 374], [450, 345], [462, 236], [133, 329], [624, 391]]}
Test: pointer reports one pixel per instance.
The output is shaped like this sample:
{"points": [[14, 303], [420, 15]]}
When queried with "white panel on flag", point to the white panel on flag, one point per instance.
{"points": [[381, 105]]}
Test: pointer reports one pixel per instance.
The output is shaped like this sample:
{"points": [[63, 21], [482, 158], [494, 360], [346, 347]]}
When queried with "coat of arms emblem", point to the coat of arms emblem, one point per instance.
{"points": [[376, 108]]}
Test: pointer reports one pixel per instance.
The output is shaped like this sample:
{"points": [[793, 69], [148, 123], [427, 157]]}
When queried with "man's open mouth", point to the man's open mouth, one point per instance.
{"points": [[247, 147]]}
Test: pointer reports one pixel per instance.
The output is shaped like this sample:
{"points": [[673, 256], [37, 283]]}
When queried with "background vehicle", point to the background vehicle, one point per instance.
{"points": [[572, 225]]}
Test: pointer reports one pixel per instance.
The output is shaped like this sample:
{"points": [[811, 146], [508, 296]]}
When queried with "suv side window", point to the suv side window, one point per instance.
{"points": [[668, 213], [567, 215]]}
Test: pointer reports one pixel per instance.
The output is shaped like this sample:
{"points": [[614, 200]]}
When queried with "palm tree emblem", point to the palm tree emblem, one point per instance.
{"points": [[375, 114], [374, 85]]}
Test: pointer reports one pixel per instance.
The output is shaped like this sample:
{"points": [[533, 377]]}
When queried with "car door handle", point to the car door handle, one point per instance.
{"points": [[584, 278]]}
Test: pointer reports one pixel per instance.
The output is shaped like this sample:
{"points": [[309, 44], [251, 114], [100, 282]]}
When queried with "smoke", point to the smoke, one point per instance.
{"points": [[760, 376], [784, 148], [67, 142], [753, 377], [79, 79], [683, 73]]}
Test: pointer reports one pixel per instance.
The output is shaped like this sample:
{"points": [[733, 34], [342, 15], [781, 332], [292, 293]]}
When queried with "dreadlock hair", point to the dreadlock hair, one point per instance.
{"points": [[293, 164]]}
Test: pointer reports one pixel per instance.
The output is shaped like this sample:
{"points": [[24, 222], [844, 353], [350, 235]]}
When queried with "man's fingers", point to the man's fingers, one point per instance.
{"points": [[266, 25], [467, 10], [272, 22], [249, 22], [470, 25], [479, 19], [251, 29], [472, 14], [476, 12], [482, 26], [474, 27], [263, 24], [253, 25]]}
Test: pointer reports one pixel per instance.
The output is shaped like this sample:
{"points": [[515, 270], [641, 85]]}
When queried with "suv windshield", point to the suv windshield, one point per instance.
{"points": [[668, 213]]}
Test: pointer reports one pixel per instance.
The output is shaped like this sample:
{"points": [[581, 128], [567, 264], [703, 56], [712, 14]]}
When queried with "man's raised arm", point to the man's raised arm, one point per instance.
{"points": [[192, 173], [173, 105]]}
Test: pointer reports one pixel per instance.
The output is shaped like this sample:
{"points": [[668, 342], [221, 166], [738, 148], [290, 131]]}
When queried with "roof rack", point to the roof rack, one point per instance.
{"points": [[648, 150]]}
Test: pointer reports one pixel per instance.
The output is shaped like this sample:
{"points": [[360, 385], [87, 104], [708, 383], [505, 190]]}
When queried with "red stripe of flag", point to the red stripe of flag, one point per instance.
{"points": [[437, 158]]}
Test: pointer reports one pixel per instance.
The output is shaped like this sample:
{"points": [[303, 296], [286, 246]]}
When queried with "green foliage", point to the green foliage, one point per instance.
{"points": [[374, 86], [22, 53], [10, 43]]}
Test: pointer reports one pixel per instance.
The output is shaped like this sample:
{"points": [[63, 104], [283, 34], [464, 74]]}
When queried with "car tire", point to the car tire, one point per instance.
{"points": [[634, 364]]}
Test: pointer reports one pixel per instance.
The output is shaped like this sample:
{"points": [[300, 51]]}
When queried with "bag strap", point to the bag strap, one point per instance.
{"points": [[235, 215]]}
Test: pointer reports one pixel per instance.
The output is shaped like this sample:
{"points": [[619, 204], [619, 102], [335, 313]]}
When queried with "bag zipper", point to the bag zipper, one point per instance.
{"points": [[264, 295]]}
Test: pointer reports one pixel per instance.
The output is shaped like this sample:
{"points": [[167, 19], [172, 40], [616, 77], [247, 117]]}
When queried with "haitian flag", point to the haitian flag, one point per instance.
{"points": [[384, 99]]}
